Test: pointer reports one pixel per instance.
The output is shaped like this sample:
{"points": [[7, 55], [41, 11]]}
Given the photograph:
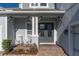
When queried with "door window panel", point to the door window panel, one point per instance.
{"points": [[49, 33], [42, 26], [41, 33], [49, 27]]}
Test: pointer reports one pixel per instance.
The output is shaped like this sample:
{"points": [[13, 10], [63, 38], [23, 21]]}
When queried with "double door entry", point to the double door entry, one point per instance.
{"points": [[46, 32]]}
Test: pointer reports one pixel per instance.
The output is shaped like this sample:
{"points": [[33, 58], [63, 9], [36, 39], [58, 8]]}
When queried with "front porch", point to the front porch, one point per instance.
{"points": [[32, 29], [29, 26]]}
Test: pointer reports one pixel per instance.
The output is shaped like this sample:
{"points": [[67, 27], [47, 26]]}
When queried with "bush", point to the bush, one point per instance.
{"points": [[6, 44], [33, 49]]}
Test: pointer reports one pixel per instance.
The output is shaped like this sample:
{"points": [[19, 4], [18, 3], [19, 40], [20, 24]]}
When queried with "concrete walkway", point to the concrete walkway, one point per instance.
{"points": [[50, 50]]}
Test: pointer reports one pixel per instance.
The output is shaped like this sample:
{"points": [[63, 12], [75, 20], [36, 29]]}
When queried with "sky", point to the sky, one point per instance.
{"points": [[9, 5]]}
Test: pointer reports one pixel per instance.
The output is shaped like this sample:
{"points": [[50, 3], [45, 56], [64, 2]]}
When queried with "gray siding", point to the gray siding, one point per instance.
{"points": [[63, 42], [51, 5], [11, 31], [67, 16], [76, 17], [76, 40], [76, 34], [64, 6]]}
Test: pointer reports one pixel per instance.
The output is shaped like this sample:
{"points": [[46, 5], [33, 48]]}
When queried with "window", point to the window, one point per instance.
{"points": [[34, 4], [43, 4], [46, 26], [39, 5], [42, 26], [49, 26], [29, 28]]}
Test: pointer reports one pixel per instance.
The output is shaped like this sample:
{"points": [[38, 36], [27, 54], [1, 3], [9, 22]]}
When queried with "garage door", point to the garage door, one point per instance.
{"points": [[76, 40]]}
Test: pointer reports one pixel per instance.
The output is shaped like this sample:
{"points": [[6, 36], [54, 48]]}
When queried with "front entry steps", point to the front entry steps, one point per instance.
{"points": [[50, 50]]}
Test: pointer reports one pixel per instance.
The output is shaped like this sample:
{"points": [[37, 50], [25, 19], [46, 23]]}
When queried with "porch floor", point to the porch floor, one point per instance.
{"points": [[50, 50]]}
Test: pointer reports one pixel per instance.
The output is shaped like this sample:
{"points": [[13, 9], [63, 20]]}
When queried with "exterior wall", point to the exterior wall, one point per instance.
{"points": [[76, 40], [11, 31], [27, 6], [71, 15], [3, 29], [63, 42], [51, 5], [76, 17], [75, 33], [64, 6], [3, 23]]}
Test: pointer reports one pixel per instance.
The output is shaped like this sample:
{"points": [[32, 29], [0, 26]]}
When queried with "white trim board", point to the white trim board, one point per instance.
{"points": [[47, 43], [19, 12]]}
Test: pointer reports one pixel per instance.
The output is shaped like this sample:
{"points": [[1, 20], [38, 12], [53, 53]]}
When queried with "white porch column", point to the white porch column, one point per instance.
{"points": [[32, 25], [70, 40], [6, 25], [55, 33], [37, 26], [35, 29]]}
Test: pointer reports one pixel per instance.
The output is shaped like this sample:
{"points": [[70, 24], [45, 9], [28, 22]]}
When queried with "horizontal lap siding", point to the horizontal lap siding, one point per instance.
{"points": [[76, 40]]}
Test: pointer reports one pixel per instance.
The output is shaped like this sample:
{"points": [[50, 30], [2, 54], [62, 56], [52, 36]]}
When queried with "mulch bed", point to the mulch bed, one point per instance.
{"points": [[20, 50]]}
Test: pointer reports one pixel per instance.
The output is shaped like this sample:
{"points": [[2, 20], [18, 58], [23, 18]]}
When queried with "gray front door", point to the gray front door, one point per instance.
{"points": [[46, 33]]}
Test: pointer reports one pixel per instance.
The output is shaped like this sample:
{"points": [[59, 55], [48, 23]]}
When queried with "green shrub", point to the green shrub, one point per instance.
{"points": [[33, 49], [6, 44]]}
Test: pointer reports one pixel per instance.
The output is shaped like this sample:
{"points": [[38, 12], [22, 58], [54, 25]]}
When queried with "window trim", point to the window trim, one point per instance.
{"points": [[43, 3], [39, 6]]}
